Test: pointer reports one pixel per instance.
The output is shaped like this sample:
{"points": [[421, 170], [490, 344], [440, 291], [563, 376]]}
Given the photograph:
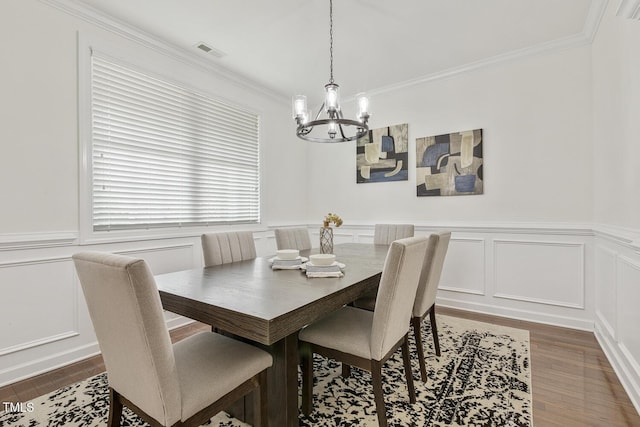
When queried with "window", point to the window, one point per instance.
{"points": [[163, 155]]}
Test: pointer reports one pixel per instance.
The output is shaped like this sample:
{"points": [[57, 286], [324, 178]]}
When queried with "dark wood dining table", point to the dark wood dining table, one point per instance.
{"points": [[268, 307]]}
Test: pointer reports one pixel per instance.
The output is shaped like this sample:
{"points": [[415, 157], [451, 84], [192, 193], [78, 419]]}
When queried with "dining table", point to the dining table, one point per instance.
{"points": [[267, 307]]}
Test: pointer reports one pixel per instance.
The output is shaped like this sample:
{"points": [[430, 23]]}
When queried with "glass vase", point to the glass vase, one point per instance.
{"points": [[326, 240]]}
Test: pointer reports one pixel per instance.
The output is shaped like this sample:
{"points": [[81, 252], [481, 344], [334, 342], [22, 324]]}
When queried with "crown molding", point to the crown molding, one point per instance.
{"points": [[95, 17], [629, 9], [585, 37]]}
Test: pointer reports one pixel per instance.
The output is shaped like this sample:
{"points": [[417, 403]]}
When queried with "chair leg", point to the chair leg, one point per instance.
{"points": [[376, 379], [417, 333], [307, 378], [115, 408], [407, 369], [260, 405], [346, 370], [434, 329]]}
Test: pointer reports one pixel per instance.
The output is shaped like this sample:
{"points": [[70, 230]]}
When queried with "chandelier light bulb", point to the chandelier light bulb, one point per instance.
{"points": [[363, 106], [299, 106], [333, 129], [332, 98]]}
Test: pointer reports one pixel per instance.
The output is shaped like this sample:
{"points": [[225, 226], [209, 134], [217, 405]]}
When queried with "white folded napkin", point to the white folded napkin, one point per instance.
{"points": [[334, 270], [287, 264], [311, 274]]}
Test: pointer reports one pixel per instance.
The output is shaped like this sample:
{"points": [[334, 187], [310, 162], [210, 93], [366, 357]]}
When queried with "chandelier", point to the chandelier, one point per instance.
{"points": [[334, 124]]}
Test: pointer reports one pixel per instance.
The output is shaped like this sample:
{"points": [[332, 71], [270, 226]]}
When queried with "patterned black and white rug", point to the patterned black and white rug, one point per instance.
{"points": [[482, 378]]}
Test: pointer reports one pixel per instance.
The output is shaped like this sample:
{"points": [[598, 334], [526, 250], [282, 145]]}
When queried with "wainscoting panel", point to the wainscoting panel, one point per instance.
{"points": [[617, 313], [538, 273], [40, 289], [464, 266], [607, 291], [541, 272], [629, 310]]}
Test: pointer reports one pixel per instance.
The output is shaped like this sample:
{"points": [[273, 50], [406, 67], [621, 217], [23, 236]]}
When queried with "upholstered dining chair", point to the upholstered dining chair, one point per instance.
{"points": [[426, 296], [367, 339], [292, 238], [384, 234], [166, 385], [223, 248], [425, 302]]}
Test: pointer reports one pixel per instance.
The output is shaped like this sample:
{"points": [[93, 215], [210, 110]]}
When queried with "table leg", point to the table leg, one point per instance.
{"points": [[283, 382]]}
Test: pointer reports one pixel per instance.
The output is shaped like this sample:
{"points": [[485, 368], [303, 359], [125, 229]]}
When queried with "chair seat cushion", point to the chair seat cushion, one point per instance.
{"points": [[347, 330], [210, 365]]}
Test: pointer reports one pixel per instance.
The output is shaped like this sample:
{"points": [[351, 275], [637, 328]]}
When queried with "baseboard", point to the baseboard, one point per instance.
{"points": [[46, 364], [529, 316], [621, 365], [32, 368]]}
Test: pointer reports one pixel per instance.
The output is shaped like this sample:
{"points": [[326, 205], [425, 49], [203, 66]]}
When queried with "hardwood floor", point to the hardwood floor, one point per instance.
{"points": [[573, 383]]}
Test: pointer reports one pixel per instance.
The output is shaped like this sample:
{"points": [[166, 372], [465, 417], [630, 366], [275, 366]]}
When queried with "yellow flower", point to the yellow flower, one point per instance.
{"points": [[332, 218]]}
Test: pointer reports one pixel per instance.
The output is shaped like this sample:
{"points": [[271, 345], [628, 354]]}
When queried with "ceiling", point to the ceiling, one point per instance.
{"points": [[284, 44]]}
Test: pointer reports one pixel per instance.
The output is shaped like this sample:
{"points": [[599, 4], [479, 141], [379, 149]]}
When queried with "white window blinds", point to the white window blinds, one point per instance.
{"points": [[165, 156]]}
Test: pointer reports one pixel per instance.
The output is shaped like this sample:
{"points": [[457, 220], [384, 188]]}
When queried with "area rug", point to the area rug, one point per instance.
{"points": [[482, 378]]}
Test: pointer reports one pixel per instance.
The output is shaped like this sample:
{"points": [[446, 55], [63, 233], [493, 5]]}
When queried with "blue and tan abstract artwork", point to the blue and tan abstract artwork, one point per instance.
{"points": [[383, 155], [450, 164]]}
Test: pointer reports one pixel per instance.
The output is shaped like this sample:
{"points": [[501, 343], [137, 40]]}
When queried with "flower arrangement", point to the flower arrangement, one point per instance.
{"points": [[331, 218]]}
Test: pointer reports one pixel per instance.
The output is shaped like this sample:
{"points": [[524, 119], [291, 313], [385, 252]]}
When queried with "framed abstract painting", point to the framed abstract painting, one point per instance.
{"points": [[383, 155], [450, 164]]}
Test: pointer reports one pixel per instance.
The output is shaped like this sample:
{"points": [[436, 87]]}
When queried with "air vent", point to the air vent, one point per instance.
{"points": [[209, 50]]}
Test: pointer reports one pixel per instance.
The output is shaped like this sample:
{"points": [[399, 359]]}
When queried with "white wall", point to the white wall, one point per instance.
{"points": [[536, 117], [616, 89], [39, 110], [526, 243]]}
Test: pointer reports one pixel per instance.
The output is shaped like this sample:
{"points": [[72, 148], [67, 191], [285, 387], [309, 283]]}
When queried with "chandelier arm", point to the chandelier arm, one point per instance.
{"points": [[319, 112], [341, 130]]}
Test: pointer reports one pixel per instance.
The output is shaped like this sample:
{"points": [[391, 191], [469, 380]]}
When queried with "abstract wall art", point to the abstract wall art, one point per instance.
{"points": [[450, 164], [383, 155]]}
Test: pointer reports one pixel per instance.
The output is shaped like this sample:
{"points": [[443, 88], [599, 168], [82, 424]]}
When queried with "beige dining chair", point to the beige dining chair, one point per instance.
{"points": [[425, 302], [384, 234], [426, 296], [367, 339], [186, 383], [223, 248], [292, 238]]}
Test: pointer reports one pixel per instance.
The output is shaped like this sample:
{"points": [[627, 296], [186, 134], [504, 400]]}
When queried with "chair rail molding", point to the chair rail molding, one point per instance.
{"points": [[16, 241]]}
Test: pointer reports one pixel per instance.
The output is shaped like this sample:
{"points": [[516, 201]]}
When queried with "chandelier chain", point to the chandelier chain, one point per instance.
{"points": [[330, 41], [335, 123]]}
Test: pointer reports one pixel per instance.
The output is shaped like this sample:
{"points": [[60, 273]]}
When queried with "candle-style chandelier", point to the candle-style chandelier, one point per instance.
{"points": [[335, 123]]}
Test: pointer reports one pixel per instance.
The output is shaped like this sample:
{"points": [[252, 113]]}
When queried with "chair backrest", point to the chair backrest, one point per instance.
{"points": [[223, 248], [292, 238], [384, 234], [431, 272], [126, 312], [396, 293]]}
